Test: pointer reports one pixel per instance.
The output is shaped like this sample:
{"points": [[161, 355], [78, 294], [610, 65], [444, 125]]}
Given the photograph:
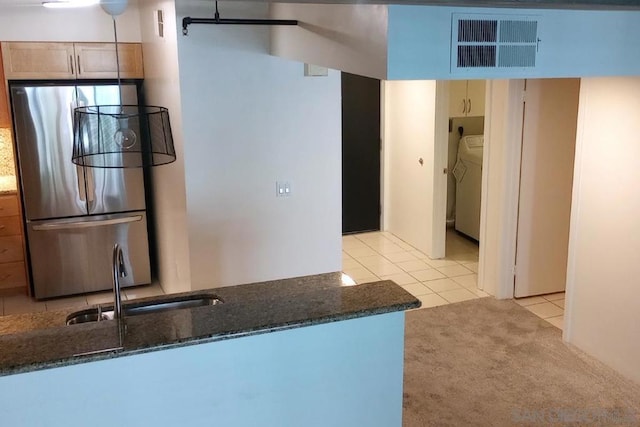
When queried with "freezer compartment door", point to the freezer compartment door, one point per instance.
{"points": [[74, 255]]}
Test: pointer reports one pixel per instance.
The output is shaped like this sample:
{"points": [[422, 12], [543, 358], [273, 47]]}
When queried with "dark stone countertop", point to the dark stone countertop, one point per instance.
{"points": [[35, 341]]}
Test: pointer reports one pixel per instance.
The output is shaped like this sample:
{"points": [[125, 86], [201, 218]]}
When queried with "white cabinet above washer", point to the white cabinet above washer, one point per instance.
{"points": [[466, 98]]}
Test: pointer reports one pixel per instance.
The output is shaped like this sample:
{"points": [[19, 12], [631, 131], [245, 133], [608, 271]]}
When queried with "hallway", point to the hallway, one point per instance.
{"points": [[372, 256]]}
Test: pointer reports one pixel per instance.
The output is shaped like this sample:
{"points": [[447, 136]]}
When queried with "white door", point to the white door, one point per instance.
{"points": [[546, 179], [415, 161]]}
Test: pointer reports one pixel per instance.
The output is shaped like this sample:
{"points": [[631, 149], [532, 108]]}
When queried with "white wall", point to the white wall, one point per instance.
{"points": [[410, 188], [602, 315], [416, 41], [32, 22], [162, 87], [351, 38], [337, 374], [250, 120]]}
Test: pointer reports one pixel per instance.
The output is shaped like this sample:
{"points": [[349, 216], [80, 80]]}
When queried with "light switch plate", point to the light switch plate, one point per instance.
{"points": [[311, 70], [283, 189]]}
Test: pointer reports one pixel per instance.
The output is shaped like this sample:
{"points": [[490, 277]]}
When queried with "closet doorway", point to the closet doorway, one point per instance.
{"points": [[361, 208]]}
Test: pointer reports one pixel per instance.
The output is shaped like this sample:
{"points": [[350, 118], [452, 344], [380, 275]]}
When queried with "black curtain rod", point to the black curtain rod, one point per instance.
{"points": [[233, 21]]}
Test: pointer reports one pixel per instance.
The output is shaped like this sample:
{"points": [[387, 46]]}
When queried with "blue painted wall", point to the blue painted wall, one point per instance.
{"points": [[338, 374], [573, 43]]}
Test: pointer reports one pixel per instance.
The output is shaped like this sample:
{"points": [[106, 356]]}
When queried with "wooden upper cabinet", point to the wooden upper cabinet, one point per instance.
{"points": [[5, 121], [98, 60], [38, 61], [28, 60]]}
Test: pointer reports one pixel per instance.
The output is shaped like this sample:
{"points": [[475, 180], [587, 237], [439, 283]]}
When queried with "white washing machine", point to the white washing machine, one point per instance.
{"points": [[468, 174]]}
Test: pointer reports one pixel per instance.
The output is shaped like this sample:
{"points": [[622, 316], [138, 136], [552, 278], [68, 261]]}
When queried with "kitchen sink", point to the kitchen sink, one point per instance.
{"points": [[134, 308], [84, 316]]}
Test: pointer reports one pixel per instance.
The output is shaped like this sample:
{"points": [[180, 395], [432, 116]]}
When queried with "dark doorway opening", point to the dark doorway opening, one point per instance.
{"points": [[360, 154]]}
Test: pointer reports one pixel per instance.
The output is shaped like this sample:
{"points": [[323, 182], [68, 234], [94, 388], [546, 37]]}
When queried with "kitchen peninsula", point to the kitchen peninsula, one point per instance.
{"points": [[301, 351]]}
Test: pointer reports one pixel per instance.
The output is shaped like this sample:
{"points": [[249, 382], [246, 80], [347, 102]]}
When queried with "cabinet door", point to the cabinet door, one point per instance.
{"points": [[10, 225], [11, 249], [457, 98], [475, 97], [23, 60], [4, 102], [98, 60], [9, 205], [12, 277]]}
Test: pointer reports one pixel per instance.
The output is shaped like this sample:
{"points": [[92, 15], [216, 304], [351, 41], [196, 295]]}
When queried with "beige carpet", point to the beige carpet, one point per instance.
{"points": [[493, 363]]}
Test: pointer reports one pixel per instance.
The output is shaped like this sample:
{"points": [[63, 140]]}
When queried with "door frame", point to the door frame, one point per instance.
{"points": [[504, 109], [383, 157], [438, 242], [433, 244], [440, 157], [556, 212]]}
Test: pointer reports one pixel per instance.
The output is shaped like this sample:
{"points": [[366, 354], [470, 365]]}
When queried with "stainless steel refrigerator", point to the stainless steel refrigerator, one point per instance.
{"points": [[74, 215]]}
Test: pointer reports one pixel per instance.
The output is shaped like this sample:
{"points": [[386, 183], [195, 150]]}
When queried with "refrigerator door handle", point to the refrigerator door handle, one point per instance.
{"points": [[72, 107], [86, 224], [91, 187], [80, 172], [82, 191]]}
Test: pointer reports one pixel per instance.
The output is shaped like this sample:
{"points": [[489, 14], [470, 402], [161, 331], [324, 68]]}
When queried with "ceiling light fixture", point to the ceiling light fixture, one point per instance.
{"points": [[69, 4], [121, 136]]}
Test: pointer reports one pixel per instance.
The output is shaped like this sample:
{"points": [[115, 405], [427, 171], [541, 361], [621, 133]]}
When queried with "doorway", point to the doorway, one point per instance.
{"points": [[464, 168], [361, 207], [546, 181], [504, 232]]}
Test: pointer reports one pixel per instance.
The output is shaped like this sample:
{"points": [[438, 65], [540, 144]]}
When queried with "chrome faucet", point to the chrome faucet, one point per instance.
{"points": [[118, 271]]}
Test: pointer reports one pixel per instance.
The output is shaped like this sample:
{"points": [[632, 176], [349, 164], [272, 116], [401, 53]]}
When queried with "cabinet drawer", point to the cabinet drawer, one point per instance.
{"points": [[12, 275], [9, 206], [10, 226], [11, 249]]}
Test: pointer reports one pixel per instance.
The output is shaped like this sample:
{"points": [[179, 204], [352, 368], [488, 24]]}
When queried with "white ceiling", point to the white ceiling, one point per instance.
{"points": [[564, 4], [555, 4]]}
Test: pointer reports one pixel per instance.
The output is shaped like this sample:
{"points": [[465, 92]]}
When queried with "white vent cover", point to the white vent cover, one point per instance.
{"points": [[159, 15], [482, 42]]}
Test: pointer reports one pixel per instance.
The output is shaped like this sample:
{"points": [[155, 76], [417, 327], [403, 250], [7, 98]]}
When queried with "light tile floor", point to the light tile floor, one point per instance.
{"points": [[366, 257], [372, 256], [549, 307]]}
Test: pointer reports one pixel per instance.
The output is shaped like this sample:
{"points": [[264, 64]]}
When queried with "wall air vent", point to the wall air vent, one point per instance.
{"points": [[489, 42]]}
